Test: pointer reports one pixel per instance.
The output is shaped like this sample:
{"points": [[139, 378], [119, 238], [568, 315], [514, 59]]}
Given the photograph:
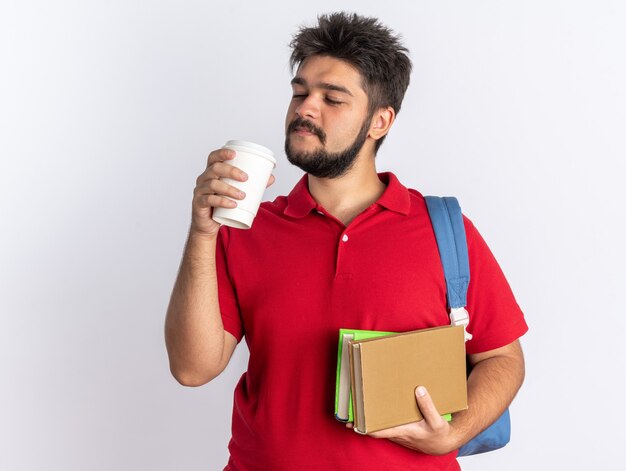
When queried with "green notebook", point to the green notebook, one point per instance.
{"points": [[343, 394]]}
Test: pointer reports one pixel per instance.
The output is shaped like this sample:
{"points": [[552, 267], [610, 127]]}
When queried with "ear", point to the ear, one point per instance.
{"points": [[382, 120]]}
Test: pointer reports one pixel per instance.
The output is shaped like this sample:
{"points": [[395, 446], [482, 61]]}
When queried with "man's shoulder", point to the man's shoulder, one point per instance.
{"points": [[277, 205], [270, 212]]}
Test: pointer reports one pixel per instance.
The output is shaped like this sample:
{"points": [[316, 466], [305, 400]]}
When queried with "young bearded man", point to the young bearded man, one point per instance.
{"points": [[347, 247]]}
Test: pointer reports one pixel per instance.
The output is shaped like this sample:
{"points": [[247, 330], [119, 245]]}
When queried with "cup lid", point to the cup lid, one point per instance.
{"points": [[251, 146]]}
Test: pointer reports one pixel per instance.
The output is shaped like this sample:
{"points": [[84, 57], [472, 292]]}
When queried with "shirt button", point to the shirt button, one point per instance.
{"points": [[345, 238]]}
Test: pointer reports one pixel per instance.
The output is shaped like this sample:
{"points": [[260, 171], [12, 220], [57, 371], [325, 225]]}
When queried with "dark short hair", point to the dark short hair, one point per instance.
{"points": [[369, 46]]}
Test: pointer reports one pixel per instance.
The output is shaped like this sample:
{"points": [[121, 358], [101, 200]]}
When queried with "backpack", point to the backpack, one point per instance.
{"points": [[447, 221]]}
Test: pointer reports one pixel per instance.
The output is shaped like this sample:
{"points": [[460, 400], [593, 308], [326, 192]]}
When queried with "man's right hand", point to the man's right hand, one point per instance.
{"points": [[211, 192]]}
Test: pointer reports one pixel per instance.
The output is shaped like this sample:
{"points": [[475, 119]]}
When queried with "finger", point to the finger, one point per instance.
{"points": [[271, 181], [427, 407], [220, 170], [220, 155], [215, 201], [224, 170], [220, 187]]}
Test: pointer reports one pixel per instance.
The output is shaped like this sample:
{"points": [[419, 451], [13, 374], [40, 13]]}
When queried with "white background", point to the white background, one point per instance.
{"points": [[107, 113]]}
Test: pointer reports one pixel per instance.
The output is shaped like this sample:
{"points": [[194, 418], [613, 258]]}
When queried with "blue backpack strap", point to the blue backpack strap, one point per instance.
{"points": [[447, 221]]}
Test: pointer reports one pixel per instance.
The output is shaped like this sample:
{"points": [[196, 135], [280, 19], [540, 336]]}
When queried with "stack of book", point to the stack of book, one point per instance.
{"points": [[377, 373]]}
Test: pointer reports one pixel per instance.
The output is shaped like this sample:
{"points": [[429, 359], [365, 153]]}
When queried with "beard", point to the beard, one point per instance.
{"points": [[321, 163]]}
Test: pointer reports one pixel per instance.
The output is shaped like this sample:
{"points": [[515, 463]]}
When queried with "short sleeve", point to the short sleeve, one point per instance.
{"points": [[496, 319], [229, 306]]}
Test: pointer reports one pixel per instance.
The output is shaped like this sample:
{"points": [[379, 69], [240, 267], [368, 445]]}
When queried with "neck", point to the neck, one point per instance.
{"points": [[348, 196]]}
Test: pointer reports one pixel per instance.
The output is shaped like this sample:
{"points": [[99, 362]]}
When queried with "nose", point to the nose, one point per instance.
{"points": [[308, 108]]}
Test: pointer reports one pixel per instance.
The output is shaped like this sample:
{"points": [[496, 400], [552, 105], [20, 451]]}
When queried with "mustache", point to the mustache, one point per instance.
{"points": [[301, 123]]}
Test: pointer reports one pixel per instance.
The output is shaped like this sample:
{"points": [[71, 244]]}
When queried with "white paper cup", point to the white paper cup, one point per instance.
{"points": [[258, 162]]}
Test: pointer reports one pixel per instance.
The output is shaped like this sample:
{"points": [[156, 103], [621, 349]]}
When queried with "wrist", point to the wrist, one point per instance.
{"points": [[457, 436], [196, 233]]}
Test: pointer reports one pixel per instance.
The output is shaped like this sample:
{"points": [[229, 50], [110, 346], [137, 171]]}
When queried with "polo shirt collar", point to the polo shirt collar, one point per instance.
{"points": [[395, 197]]}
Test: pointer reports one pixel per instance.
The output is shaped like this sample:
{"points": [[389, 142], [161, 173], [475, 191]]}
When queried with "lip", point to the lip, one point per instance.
{"points": [[303, 132]]}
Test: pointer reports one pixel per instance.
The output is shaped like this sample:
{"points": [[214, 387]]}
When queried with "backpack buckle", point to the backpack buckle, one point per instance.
{"points": [[460, 316]]}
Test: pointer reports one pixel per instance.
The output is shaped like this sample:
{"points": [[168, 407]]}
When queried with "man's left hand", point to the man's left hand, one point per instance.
{"points": [[432, 435]]}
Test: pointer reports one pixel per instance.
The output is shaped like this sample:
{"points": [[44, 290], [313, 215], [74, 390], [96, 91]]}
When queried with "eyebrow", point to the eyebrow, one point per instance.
{"points": [[324, 85]]}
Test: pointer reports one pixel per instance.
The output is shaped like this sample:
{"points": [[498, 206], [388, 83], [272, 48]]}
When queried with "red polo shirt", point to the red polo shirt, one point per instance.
{"points": [[289, 283]]}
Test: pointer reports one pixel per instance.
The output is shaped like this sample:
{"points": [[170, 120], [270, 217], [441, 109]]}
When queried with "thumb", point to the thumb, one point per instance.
{"points": [[427, 406]]}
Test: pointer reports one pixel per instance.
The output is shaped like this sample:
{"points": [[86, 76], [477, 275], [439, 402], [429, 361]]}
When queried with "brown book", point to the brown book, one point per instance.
{"points": [[385, 372]]}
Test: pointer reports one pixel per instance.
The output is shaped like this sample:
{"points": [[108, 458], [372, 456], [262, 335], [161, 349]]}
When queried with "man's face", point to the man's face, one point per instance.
{"points": [[327, 122]]}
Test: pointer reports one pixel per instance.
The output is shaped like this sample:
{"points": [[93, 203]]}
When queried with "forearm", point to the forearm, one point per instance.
{"points": [[194, 332], [491, 387]]}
